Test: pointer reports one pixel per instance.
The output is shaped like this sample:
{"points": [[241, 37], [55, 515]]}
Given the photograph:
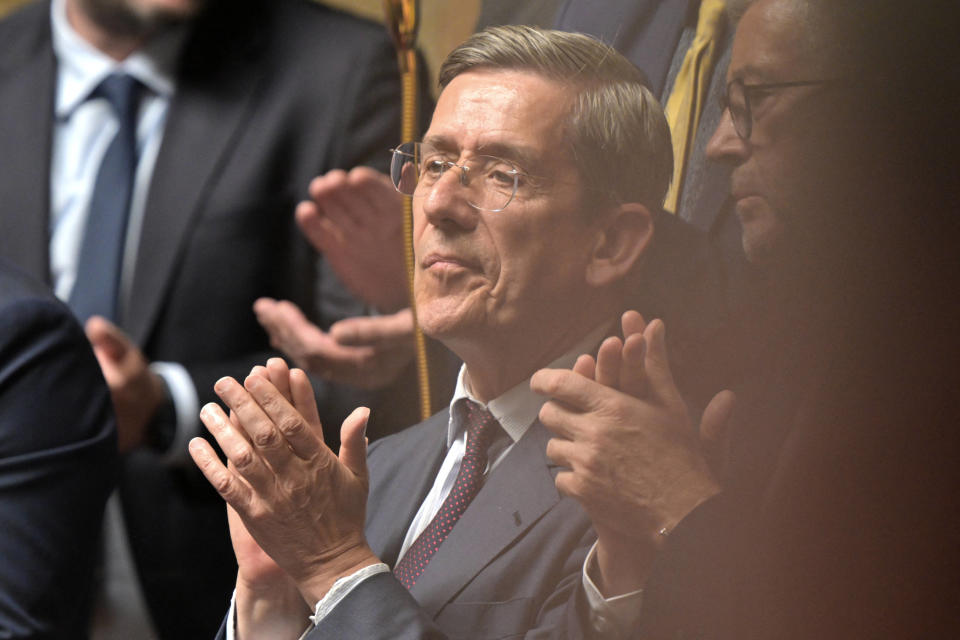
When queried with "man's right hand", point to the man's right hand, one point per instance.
{"points": [[355, 219], [304, 505], [368, 352]]}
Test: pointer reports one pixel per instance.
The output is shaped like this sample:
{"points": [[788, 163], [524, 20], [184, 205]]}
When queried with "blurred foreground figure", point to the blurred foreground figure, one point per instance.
{"points": [[58, 463], [840, 132]]}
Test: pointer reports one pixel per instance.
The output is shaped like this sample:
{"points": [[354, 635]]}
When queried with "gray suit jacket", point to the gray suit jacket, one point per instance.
{"points": [[508, 568]]}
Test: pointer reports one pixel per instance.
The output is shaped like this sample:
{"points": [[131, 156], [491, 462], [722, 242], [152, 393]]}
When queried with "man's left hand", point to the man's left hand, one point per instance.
{"points": [[633, 459], [304, 506], [137, 391]]}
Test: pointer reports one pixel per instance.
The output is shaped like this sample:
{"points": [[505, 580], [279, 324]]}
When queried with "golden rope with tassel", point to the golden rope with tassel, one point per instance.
{"points": [[401, 19]]}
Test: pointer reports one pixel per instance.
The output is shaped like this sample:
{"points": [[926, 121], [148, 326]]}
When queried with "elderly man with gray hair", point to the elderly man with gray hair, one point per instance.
{"points": [[534, 192]]}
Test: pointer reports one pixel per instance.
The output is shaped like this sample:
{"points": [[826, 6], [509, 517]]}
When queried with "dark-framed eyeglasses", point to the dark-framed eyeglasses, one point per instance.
{"points": [[490, 183], [740, 94]]}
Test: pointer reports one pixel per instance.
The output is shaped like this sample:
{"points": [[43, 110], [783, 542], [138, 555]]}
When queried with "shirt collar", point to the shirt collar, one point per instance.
{"points": [[82, 66], [517, 408]]}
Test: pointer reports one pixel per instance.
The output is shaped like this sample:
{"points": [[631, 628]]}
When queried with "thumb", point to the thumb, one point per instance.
{"points": [[715, 430], [353, 442]]}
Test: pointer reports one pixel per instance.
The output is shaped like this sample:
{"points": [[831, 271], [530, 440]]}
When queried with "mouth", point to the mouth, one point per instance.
{"points": [[445, 262]]}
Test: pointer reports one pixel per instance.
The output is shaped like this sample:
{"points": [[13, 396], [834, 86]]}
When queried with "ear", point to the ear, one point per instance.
{"points": [[619, 243]]}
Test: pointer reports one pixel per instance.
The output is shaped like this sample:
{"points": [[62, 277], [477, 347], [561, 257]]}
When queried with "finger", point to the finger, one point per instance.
{"points": [[340, 203], [284, 321], [353, 445], [608, 362], [560, 451], [264, 437], [715, 430], [279, 376], [323, 231], [377, 202], [305, 402], [242, 454], [656, 361], [393, 329], [567, 387], [568, 484], [632, 368], [560, 420], [586, 366], [282, 430], [311, 222], [106, 338], [268, 315], [632, 322], [226, 483]]}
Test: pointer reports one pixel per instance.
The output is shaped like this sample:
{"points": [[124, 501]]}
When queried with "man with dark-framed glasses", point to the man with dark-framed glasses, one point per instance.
{"points": [[530, 212], [846, 191]]}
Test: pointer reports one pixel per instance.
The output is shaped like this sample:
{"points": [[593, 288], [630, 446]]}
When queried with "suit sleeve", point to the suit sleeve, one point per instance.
{"points": [[381, 608], [57, 467]]}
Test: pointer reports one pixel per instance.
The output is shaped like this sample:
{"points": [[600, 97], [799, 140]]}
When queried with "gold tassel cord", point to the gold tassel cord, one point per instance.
{"points": [[401, 18]]}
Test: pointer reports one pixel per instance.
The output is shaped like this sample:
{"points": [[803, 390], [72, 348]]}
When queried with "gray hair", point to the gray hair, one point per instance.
{"points": [[616, 129]]}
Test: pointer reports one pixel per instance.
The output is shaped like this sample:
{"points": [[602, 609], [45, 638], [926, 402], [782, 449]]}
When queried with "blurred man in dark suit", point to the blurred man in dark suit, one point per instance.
{"points": [[58, 463]]}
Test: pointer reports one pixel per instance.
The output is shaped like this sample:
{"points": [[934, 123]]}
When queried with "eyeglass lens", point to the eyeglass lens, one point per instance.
{"points": [[739, 107], [490, 182]]}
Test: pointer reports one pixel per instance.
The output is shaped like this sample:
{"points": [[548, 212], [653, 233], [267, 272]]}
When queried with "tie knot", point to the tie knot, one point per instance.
{"points": [[121, 91], [480, 425]]}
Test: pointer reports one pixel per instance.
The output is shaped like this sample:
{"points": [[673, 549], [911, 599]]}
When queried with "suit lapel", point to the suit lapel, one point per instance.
{"points": [[405, 485], [213, 100], [27, 76], [518, 492]]}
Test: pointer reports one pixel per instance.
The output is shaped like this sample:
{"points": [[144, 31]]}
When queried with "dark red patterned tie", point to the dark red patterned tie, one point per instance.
{"points": [[481, 428]]}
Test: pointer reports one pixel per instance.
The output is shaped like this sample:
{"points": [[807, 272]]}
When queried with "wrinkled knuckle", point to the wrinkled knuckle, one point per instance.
{"points": [[591, 461], [291, 426], [243, 459], [222, 483], [265, 438]]}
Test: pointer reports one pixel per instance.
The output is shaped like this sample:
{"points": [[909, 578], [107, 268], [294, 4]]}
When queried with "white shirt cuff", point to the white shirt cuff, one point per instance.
{"points": [[613, 617], [342, 588], [232, 617], [186, 404]]}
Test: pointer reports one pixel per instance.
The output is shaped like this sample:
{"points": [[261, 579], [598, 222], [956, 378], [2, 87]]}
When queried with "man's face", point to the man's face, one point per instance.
{"points": [[481, 273], [138, 17], [777, 168]]}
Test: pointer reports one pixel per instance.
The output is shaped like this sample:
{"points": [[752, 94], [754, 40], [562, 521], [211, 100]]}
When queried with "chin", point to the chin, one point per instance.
{"points": [[761, 240], [440, 318]]}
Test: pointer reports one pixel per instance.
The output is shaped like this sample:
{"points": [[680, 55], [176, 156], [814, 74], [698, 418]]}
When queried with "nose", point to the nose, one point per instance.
{"points": [[725, 145], [445, 204]]}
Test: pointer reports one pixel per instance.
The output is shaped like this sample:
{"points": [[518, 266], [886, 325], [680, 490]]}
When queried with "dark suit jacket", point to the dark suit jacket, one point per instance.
{"points": [[269, 95], [57, 462], [507, 567]]}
